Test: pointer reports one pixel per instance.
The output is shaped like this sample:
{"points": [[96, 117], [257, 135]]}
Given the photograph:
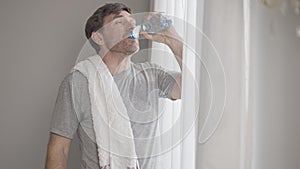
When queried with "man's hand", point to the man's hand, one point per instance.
{"points": [[171, 38], [166, 36], [58, 151]]}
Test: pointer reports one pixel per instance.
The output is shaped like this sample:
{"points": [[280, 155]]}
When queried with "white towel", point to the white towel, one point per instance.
{"points": [[113, 132]]}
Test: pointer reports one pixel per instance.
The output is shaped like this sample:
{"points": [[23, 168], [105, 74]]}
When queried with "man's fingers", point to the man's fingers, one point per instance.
{"points": [[151, 14], [146, 35]]}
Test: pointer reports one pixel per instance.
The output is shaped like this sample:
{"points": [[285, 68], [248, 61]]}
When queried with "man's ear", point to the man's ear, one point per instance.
{"points": [[97, 38]]}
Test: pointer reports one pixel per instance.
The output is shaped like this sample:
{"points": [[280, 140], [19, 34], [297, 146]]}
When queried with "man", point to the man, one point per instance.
{"points": [[140, 86]]}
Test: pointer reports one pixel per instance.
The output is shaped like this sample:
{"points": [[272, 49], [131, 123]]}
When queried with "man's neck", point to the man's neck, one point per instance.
{"points": [[116, 62]]}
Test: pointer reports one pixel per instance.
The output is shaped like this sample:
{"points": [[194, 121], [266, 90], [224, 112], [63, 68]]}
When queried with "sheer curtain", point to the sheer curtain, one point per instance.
{"points": [[225, 136], [179, 116], [219, 63]]}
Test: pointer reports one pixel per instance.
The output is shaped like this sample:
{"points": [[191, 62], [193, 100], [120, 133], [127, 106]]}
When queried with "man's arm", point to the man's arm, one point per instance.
{"points": [[176, 91], [57, 152], [171, 38], [175, 44]]}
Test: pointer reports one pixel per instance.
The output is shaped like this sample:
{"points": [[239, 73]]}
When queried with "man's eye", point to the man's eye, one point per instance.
{"points": [[133, 23], [118, 22]]}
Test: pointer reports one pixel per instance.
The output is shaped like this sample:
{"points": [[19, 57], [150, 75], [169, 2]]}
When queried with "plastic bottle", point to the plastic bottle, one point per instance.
{"points": [[155, 24]]}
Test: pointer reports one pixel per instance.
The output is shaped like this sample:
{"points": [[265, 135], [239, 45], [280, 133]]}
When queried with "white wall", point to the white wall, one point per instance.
{"points": [[275, 59], [40, 41]]}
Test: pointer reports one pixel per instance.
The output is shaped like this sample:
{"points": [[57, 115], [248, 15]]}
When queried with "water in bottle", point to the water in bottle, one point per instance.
{"points": [[154, 25]]}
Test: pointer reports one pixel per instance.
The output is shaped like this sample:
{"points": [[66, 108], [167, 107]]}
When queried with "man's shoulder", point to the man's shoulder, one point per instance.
{"points": [[145, 66], [74, 78]]}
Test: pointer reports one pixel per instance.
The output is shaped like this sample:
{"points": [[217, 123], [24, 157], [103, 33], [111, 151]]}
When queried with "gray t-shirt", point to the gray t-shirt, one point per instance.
{"points": [[140, 87]]}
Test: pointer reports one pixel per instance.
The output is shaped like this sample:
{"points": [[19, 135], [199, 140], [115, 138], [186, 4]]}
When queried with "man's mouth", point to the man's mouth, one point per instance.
{"points": [[128, 37]]}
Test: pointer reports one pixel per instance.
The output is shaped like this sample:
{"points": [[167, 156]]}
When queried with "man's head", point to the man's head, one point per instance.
{"points": [[109, 27]]}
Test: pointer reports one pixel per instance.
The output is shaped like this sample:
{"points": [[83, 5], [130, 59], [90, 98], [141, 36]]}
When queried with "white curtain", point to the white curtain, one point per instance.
{"points": [[182, 142], [225, 136], [219, 63]]}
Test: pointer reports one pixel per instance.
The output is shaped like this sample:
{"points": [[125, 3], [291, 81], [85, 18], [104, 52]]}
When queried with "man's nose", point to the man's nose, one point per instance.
{"points": [[130, 28], [130, 24]]}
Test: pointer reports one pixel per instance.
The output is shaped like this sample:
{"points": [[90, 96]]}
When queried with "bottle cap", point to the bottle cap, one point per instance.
{"points": [[135, 33]]}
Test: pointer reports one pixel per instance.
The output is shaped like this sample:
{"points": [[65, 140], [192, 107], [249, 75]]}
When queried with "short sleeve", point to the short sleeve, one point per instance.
{"points": [[65, 117], [166, 80]]}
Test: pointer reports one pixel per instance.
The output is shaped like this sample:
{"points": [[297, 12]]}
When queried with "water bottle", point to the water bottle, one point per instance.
{"points": [[155, 24]]}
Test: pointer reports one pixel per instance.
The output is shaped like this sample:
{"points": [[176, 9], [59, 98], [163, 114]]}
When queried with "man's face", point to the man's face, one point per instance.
{"points": [[116, 30]]}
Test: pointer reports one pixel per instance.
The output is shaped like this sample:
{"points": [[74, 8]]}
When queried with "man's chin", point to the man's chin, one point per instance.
{"points": [[127, 51], [131, 52], [132, 48]]}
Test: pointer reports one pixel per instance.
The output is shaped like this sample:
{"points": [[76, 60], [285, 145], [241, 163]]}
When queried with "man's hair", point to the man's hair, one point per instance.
{"points": [[95, 22]]}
